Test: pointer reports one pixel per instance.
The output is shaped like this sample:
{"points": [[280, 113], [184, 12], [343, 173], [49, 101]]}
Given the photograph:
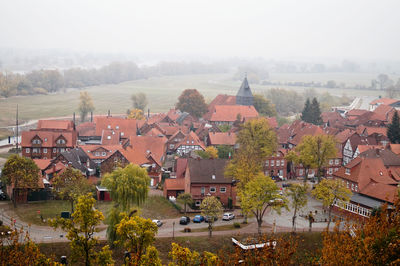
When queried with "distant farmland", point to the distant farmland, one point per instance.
{"points": [[162, 93]]}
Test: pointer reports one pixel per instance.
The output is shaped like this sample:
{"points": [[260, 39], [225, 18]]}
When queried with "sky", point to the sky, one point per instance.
{"points": [[278, 29]]}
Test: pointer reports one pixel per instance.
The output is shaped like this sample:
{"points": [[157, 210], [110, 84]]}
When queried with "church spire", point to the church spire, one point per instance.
{"points": [[244, 95]]}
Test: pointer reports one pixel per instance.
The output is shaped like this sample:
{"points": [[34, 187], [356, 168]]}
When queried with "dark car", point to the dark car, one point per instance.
{"points": [[207, 218], [198, 219], [184, 220], [2, 195]]}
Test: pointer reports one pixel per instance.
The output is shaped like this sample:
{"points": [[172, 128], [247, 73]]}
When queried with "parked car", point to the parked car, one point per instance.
{"points": [[208, 218], [286, 184], [184, 220], [228, 216], [198, 219], [2, 195], [158, 222]]}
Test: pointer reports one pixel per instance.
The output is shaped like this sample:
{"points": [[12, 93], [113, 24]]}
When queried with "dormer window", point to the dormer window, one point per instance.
{"points": [[103, 154], [122, 133], [213, 177], [36, 141], [109, 127], [347, 171], [117, 127], [108, 137], [45, 139], [61, 141]]}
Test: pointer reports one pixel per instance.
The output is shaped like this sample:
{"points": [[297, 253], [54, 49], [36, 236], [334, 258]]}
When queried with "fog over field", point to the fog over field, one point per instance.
{"points": [[278, 29]]}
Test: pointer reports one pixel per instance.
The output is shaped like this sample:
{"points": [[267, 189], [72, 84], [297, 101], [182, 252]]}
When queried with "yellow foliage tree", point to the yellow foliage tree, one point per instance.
{"points": [[136, 114]]}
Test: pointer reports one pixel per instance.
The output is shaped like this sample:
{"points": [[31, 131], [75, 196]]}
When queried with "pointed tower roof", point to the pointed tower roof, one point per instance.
{"points": [[244, 95]]}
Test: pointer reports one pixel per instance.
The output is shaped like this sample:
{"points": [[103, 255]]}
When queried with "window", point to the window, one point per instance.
{"points": [[197, 203], [330, 171], [117, 127], [171, 146], [356, 188], [352, 186], [272, 162], [62, 150], [35, 150], [282, 162], [109, 126], [61, 141], [27, 150], [45, 139], [337, 161], [103, 154], [267, 163], [54, 150], [203, 190], [222, 189], [347, 171], [278, 163], [36, 141], [330, 162], [213, 189], [267, 173], [44, 150], [122, 134], [301, 172]]}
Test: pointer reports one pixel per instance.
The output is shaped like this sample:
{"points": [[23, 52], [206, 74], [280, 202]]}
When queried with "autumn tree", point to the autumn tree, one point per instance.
{"points": [[127, 186], [80, 231], [393, 130], [314, 152], [331, 191], [21, 174], [71, 184], [298, 199], [85, 105], [137, 235], [182, 256], [374, 242], [136, 114], [264, 106], [193, 102], [256, 140], [211, 207], [139, 101], [258, 195], [209, 153], [185, 198]]}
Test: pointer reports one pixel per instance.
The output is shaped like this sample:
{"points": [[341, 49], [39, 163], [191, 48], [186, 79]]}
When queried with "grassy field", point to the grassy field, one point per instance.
{"points": [[309, 245], [162, 93], [156, 207]]}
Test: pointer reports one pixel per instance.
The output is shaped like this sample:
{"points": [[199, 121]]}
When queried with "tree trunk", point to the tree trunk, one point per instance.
{"points": [[210, 228], [14, 192], [294, 220], [306, 175], [329, 216], [185, 208], [259, 223]]}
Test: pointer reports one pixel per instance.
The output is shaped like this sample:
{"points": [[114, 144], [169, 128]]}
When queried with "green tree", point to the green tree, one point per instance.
{"points": [[211, 207], [71, 184], [315, 112], [193, 102], [85, 105], [21, 174], [137, 235], [185, 198], [80, 231], [225, 151], [258, 195], [306, 115], [139, 101], [329, 191], [225, 127], [393, 130], [127, 186], [210, 153], [298, 199], [264, 106]]}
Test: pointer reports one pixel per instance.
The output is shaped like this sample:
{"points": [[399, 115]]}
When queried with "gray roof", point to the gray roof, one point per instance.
{"points": [[244, 90], [208, 171], [365, 201], [78, 158], [182, 117]]}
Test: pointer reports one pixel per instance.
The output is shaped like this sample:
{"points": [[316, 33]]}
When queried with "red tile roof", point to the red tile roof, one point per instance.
{"points": [[382, 112], [181, 164], [86, 129], [174, 184], [48, 138], [56, 124], [126, 126], [356, 112], [386, 101], [395, 148], [42, 163], [229, 113], [91, 150], [140, 147], [222, 138], [381, 191], [371, 130], [222, 99], [363, 148], [191, 139]]}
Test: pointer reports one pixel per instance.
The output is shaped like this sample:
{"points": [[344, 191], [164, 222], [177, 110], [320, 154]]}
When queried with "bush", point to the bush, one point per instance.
{"points": [[236, 225], [187, 230]]}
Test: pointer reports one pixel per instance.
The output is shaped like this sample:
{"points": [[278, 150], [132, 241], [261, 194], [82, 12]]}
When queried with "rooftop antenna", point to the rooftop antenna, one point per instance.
{"points": [[16, 123]]}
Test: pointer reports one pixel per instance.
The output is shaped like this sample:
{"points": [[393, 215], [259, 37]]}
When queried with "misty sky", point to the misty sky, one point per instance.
{"points": [[355, 29]]}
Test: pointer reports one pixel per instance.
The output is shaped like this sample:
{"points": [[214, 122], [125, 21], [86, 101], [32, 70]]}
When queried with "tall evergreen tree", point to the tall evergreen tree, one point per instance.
{"points": [[393, 130], [315, 112], [306, 113]]}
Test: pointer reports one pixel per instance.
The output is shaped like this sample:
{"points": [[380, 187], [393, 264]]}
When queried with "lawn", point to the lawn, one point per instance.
{"points": [[225, 227], [162, 93], [309, 245], [156, 207]]}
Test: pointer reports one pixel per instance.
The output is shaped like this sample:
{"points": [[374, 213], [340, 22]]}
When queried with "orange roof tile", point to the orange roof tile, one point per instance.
{"points": [[55, 124], [42, 163], [222, 99], [229, 113], [174, 184], [127, 127], [386, 101], [395, 148], [140, 147], [222, 138]]}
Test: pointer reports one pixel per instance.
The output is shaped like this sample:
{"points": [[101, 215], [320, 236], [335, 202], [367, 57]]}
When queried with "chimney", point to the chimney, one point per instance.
{"points": [[148, 113], [91, 116], [109, 113], [73, 120]]}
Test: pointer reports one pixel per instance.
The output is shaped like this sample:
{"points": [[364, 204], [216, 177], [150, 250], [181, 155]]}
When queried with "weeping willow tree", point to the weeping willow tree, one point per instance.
{"points": [[128, 187]]}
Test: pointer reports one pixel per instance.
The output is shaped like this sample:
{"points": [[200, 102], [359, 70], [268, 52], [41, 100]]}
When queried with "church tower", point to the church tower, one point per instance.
{"points": [[244, 95]]}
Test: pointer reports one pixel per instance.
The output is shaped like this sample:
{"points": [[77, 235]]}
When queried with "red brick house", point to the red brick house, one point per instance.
{"points": [[50, 138], [277, 166], [205, 177]]}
